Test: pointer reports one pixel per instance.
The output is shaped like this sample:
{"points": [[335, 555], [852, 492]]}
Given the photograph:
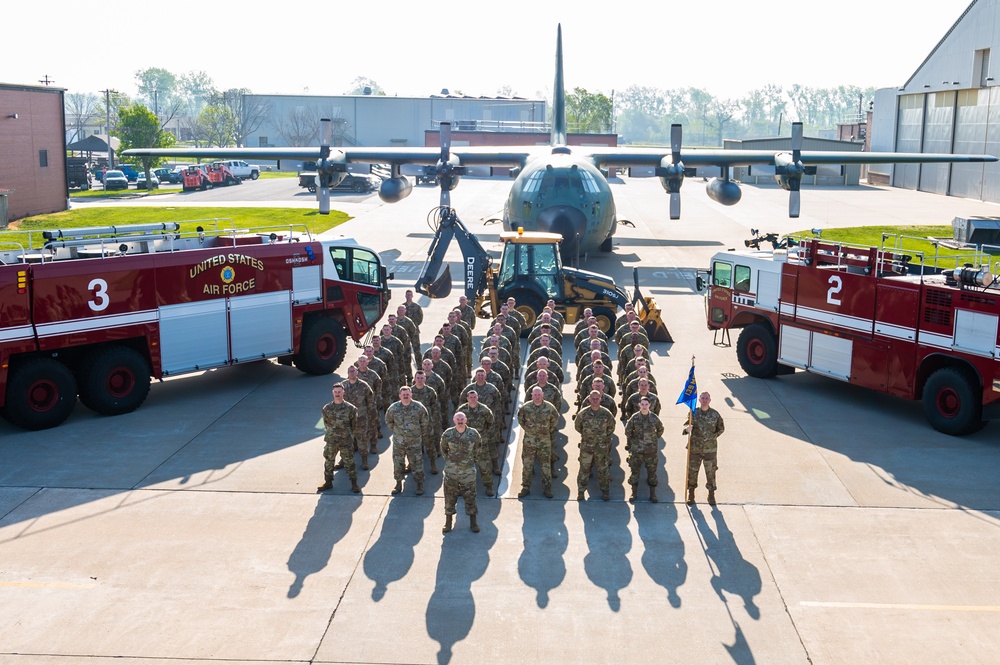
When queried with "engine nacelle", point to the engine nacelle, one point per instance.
{"points": [[394, 190], [726, 192]]}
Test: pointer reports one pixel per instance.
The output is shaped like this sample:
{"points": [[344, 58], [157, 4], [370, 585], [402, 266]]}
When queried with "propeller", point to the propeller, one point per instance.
{"points": [[672, 173], [323, 166], [448, 170], [788, 170]]}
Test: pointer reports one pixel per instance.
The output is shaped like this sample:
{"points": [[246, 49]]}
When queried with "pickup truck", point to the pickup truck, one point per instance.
{"points": [[241, 169]]}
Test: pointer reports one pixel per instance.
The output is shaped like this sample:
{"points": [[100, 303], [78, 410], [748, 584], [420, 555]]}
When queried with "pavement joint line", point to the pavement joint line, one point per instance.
{"points": [[899, 606]]}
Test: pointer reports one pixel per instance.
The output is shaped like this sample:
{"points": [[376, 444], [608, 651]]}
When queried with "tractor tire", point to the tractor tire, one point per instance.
{"points": [[757, 351], [114, 380], [605, 319], [41, 394], [322, 347], [530, 306], [952, 403]]}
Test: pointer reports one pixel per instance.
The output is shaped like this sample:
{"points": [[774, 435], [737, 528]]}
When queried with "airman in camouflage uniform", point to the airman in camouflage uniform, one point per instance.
{"points": [[494, 378], [555, 371], [584, 322], [628, 356], [460, 446], [552, 395], [515, 322], [704, 442], [467, 312], [557, 318], [399, 332], [545, 349], [588, 360], [600, 385], [593, 331], [480, 418], [460, 329], [390, 382], [503, 369], [514, 314], [538, 419], [426, 395], [453, 343], [408, 421], [634, 328], [394, 344], [641, 371], [596, 426], [623, 318], [367, 373], [340, 419], [435, 381], [645, 391], [545, 328], [501, 329], [412, 331], [503, 348], [591, 374], [490, 396], [643, 431], [443, 369], [359, 393]]}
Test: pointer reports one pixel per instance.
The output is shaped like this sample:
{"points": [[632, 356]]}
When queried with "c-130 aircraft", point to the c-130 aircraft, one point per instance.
{"points": [[561, 188]]}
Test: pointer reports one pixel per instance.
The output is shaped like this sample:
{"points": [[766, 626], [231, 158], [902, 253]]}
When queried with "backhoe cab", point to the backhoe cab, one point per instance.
{"points": [[530, 270]]}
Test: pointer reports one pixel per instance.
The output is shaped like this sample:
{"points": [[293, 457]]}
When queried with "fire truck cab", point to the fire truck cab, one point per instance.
{"points": [[884, 319], [98, 312]]}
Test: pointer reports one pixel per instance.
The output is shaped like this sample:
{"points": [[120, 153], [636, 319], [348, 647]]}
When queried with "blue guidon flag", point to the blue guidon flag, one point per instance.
{"points": [[689, 395]]}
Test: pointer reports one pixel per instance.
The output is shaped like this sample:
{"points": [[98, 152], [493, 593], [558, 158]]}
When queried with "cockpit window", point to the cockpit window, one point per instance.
{"points": [[533, 183], [589, 184]]}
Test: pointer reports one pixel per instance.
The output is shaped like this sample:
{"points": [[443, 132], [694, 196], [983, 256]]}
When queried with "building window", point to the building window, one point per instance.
{"points": [[43, 158], [981, 72], [262, 141]]}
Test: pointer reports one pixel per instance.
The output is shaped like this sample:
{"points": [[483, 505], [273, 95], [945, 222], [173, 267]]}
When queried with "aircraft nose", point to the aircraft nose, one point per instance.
{"points": [[567, 221]]}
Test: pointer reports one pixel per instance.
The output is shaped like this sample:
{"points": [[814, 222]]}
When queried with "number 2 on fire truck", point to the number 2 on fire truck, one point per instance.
{"points": [[836, 284]]}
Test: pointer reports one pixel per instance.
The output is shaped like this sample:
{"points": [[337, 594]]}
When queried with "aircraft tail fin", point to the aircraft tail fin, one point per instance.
{"points": [[559, 96]]}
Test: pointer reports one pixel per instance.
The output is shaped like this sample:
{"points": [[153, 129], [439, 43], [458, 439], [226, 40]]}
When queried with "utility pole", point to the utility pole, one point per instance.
{"points": [[107, 109]]}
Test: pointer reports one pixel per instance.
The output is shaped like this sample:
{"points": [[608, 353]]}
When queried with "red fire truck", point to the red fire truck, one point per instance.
{"points": [[892, 321], [98, 311]]}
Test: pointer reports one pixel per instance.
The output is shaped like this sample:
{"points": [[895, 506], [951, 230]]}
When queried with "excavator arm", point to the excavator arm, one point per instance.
{"points": [[476, 262]]}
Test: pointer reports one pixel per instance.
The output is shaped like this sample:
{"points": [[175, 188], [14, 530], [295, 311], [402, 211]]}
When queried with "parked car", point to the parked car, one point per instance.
{"points": [[140, 182], [241, 169], [352, 181], [165, 174], [130, 172], [115, 180]]}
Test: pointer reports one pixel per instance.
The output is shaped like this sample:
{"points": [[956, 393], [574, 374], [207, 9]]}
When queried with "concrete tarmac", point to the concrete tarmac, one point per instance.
{"points": [[848, 530]]}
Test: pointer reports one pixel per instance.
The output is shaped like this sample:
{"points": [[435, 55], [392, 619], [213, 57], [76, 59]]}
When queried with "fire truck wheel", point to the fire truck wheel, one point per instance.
{"points": [[114, 380], [951, 402], [757, 351], [323, 346], [605, 319], [41, 393]]}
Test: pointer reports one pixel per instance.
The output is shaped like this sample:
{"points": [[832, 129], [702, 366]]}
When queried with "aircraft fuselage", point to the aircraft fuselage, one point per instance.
{"points": [[563, 194]]}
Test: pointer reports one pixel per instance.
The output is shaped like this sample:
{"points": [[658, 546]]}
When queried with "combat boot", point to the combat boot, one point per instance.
{"points": [[354, 485], [690, 496], [398, 488], [339, 464], [489, 489], [605, 495], [523, 493], [496, 468], [473, 524], [652, 494], [327, 484], [434, 466], [373, 450], [711, 497], [580, 497], [635, 492], [364, 461], [547, 492], [420, 488], [447, 524]]}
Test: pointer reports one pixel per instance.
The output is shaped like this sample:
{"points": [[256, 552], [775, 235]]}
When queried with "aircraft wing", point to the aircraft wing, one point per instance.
{"points": [[429, 156], [692, 157]]}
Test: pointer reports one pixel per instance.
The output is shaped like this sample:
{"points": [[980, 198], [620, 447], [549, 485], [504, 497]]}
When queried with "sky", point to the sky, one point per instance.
{"points": [[417, 48]]}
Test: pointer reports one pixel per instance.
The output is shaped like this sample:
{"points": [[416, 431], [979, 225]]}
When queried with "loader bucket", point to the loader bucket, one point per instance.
{"points": [[440, 287], [652, 322]]}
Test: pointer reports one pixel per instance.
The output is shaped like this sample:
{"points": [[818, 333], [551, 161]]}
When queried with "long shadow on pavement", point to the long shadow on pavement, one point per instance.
{"points": [[451, 610], [545, 538], [609, 540], [390, 558], [330, 522], [663, 548]]}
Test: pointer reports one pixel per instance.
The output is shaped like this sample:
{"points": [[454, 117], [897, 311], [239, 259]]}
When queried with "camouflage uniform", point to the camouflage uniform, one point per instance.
{"points": [[643, 434], [481, 420], [587, 381], [468, 314], [631, 406], [390, 380], [406, 365], [407, 424], [460, 450], [447, 374], [586, 361], [538, 422], [414, 312], [550, 352], [584, 347], [401, 369], [413, 334], [606, 402], [708, 425], [341, 423], [623, 334], [361, 395], [490, 397], [454, 344], [556, 374], [597, 427], [434, 380], [464, 333], [429, 398], [374, 381]]}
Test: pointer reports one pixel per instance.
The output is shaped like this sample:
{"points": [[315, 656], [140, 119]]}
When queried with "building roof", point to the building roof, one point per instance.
{"points": [[940, 42]]}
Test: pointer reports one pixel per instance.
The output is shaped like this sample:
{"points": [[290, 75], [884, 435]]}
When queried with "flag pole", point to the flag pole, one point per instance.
{"points": [[687, 465]]}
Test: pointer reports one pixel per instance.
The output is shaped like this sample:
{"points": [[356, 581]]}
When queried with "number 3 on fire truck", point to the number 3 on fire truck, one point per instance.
{"points": [[836, 284], [101, 300]]}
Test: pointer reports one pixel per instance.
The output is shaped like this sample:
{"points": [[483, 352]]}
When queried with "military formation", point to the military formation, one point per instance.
{"points": [[445, 403]]}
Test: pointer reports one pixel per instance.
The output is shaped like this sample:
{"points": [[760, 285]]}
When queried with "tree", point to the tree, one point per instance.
{"points": [[247, 110], [81, 109], [138, 127], [721, 113], [118, 101], [196, 88], [588, 112], [299, 127], [363, 83], [215, 126]]}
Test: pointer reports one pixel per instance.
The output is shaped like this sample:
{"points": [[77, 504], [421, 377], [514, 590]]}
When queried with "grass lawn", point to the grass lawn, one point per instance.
{"points": [[267, 175], [26, 231], [913, 242], [119, 193]]}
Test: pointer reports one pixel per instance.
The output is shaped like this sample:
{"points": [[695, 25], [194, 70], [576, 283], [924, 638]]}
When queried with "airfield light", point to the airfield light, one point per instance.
{"points": [[520, 230]]}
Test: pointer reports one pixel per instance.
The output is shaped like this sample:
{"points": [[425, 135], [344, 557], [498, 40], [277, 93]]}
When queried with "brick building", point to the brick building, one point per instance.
{"points": [[32, 150]]}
